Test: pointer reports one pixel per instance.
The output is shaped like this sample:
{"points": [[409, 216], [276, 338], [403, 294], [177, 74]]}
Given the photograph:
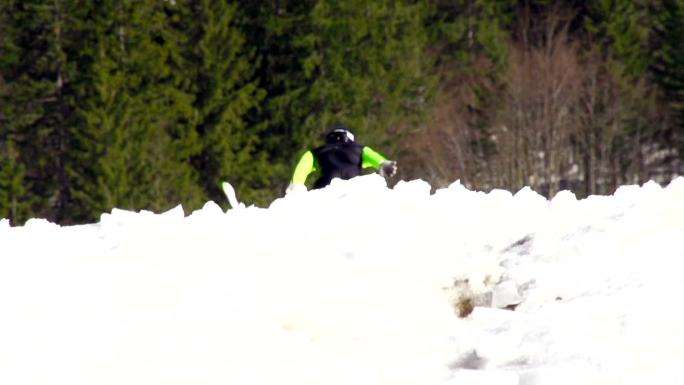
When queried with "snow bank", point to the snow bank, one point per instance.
{"points": [[356, 283]]}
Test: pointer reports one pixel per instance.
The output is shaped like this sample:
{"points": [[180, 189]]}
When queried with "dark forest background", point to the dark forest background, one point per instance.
{"points": [[147, 104]]}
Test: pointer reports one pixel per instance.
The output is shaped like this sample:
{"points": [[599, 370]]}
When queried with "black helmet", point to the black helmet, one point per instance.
{"points": [[339, 134]]}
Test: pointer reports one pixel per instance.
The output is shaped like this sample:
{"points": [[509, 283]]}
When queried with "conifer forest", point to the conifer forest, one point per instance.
{"points": [[148, 104]]}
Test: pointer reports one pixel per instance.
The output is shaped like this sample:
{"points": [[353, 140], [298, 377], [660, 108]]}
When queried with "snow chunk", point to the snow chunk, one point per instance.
{"points": [[40, 224], [416, 188], [209, 211], [676, 185], [506, 294]]}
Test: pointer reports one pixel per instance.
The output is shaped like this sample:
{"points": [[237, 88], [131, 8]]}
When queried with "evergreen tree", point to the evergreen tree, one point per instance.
{"points": [[14, 198], [466, 29], [275, 28], [15, 202], [471, 40], [623, 28], [367, 67], [165, 139], [38, 72], [135, 148], [325, 62], [217, 69], [668, 63]]}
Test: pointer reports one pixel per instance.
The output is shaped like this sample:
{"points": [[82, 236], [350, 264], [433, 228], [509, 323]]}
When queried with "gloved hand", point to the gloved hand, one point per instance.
{"points": [[388, 168]]}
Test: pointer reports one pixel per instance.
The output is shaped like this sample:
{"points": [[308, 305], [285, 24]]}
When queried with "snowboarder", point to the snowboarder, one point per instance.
{"points": [[340, 157]]}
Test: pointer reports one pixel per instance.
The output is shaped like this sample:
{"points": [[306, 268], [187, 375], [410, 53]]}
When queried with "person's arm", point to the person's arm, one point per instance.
{"points": [[372, 158], [305, 166]]}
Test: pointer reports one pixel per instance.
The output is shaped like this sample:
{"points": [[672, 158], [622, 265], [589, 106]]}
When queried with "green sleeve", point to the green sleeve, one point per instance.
{"points": [[371, 158], [304, 167]]}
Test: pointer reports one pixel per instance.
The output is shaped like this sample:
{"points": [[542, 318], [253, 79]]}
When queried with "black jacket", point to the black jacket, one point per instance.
{"points": [[338, 160]]}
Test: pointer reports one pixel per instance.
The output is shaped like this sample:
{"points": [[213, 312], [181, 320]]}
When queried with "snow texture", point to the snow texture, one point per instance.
{"points": [[354, 284]]}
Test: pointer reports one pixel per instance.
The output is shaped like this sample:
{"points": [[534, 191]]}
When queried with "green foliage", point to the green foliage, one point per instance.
{"points": [[324, 62], [624, 28], [465, 29], [668, 63], [274, 29], [472, 39], [216, 69], [38, 101], [12, 184], [640, 40], [14, 198], [367, 67], [363, 65], [147, 104], [137, 140]]}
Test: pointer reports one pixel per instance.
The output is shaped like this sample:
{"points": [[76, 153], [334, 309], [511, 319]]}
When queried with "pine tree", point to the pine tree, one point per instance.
{"points": [[466, 29], [164, 138], [471, 41], [624, 28], [668, 63], [324, 62], [15, 202], [357, 63], [275, 29], [367, 67], [38, 72], [135, 148], [14, 198], [216, 69]]}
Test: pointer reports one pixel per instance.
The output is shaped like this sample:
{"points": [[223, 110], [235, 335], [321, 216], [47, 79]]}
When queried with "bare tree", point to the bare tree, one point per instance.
{"points": [[534, 124], [564, 115], [455, 142]]}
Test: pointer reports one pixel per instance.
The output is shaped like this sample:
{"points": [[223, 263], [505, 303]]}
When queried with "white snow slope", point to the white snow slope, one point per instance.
{"points": [[354, 284]]}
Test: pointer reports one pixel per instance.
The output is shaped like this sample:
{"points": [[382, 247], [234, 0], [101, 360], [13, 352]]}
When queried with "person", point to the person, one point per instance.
{"points": [[340, 157]]}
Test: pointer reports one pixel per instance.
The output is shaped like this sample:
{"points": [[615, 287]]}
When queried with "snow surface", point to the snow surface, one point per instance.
{"points": [[354, 284]]}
